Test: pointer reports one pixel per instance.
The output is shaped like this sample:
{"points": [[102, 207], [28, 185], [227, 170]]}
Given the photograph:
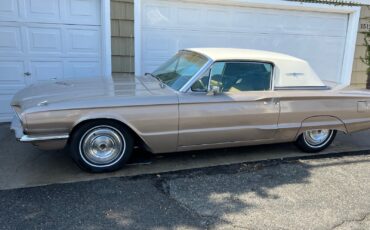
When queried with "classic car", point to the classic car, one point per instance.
{"points": [[200, 99]]}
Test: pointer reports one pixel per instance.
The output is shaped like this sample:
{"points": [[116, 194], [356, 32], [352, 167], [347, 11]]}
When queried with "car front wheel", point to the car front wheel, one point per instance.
{"points": [[313, 141], [101, 146]]}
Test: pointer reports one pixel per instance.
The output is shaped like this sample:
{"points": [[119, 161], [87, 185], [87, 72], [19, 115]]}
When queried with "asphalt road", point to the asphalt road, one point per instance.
{"points": [[318, 193]]}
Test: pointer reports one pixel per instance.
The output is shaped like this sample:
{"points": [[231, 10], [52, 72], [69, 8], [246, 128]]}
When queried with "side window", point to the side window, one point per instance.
{"points": [[241, 76]]}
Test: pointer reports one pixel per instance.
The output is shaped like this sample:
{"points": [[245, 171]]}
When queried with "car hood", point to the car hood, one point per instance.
{"points": [[82, 92]]}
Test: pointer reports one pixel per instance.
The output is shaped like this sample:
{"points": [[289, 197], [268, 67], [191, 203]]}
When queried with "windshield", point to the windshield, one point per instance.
{"points": [[177, 71]]}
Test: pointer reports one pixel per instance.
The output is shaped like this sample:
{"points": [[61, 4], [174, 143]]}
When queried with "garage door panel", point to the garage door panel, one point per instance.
{"points": [[286, 22], [317, 37], [44, 40], [216, 18], [6, 112], [46, 70], [151, 65], [156, 43], [246, 41], [82, 69], [12, 74], [157, 15], [76, 12], [324, 25], [11, 80], [174, 16], [43, 11], [83, 41], [188, 16], [10, 40], [83, 12], [8, 10], [211, 39], [327, 57]]}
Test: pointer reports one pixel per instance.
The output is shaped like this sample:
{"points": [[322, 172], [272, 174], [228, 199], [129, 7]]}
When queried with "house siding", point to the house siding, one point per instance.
{"points": [[359, 75], [122, 33], [122, 27]]}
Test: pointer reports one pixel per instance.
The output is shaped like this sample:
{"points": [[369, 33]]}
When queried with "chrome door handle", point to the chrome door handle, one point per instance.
{"points": [[275, 102], [27, 74]]}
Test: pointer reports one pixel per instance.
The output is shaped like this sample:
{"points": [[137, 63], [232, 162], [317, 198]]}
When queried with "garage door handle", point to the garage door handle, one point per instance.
{"points": [[27, 74]]}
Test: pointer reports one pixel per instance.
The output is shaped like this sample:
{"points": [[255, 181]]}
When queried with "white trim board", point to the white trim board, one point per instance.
{"points": [[364, 2], [106, 38], [137, 37], [353, 13]]}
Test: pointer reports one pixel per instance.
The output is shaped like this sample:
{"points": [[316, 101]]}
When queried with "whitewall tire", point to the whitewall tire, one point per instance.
{"points": [[315, 140], [101, 146]]}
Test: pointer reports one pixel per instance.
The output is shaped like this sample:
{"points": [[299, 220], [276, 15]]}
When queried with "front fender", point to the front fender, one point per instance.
{"points": [[156, 125], [103, 115]]}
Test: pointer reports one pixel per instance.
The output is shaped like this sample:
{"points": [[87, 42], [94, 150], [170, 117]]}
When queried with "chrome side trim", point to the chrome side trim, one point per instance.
{"points": [[27, 138], [302, 88]]}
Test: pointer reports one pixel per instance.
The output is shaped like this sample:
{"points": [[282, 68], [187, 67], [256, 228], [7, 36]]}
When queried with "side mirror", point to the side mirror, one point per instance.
{"points": [[214, 90]]}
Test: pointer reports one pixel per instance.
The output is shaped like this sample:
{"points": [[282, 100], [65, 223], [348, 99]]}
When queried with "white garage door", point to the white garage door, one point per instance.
{"points": [[317, 37], [47, 40]]}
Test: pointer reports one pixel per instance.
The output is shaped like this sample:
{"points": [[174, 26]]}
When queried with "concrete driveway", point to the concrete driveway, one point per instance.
{"points": [[22, 165], [321, 193]]}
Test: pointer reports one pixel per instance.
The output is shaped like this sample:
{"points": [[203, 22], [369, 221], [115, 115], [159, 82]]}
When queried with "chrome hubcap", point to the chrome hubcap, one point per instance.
{"points": [[317, 137], [103, 145]]}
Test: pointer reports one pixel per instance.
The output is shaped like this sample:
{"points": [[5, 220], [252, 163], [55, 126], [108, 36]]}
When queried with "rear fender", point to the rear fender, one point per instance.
{"points": [[322, 122]]}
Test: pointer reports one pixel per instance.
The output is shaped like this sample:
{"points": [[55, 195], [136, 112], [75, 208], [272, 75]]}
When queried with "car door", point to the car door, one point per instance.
{"points": [[244, 110]]}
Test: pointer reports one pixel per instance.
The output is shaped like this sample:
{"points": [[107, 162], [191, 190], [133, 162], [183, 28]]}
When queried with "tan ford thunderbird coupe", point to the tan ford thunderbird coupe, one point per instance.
{"points": [[199, 99]]}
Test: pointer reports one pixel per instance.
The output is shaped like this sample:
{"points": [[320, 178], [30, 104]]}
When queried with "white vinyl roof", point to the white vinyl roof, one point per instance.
{"points": [[289, 71], [363, 2], [217, 54]]}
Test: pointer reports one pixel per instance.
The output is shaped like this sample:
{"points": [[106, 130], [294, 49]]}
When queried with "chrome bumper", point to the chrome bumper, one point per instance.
{"points": [[16, 126]]}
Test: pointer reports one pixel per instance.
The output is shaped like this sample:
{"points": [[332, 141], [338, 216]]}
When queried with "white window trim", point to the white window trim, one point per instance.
{"points": [[353, 23], [106, 39]]}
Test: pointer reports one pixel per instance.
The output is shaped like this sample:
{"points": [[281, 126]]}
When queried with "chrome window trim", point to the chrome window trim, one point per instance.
{"points": [[196, 76], [192, 80]]}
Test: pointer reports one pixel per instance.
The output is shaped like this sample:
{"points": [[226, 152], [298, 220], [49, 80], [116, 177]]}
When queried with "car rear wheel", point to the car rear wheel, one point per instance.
{"points": [[101, 146], [313, 141]]}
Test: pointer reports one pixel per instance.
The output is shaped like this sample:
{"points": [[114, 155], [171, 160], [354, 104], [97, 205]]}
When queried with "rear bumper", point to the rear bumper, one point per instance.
{"points": [[16, 126]]}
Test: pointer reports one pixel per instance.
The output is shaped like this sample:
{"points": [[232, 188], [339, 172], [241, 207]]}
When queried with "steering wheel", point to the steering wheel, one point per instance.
{"points": [[199, 85], [202, 84]]}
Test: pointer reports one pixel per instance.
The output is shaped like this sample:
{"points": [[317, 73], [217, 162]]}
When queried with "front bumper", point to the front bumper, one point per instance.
{"points": [[16, 126]]}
